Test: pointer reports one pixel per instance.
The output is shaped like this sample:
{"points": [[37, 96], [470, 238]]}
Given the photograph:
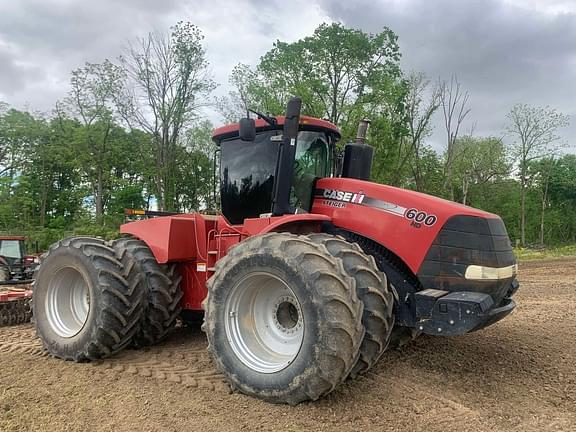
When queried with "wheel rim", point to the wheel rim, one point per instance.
{"points": [[264, 323], [68, 302]]}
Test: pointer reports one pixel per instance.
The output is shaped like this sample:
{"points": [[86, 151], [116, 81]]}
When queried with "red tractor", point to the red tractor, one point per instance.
{"points": [[16, 270], [305, 278], [15, 265]]}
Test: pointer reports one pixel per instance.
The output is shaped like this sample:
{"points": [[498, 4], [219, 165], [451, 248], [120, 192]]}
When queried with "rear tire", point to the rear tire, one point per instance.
{"points": [[373, 290], [160, 285], [283, 320], [83, 306]]}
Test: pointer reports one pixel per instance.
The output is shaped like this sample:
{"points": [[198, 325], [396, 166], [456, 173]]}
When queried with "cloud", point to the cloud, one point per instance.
{"points": [[503, 52], [53, 37], [13, 73]]}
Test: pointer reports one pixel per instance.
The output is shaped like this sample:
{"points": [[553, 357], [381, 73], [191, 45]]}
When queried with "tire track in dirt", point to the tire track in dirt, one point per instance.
{"points": [[425, 400], [440, 407], [190, 368], [21, 339], [179, 364]]}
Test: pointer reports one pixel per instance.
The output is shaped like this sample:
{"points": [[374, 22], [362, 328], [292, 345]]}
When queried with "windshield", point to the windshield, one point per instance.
{"points": [[248, 169], [247, 177], [10, 249]]}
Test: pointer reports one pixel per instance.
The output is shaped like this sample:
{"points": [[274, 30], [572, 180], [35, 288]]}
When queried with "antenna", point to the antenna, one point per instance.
{"points": [[271, 120]]}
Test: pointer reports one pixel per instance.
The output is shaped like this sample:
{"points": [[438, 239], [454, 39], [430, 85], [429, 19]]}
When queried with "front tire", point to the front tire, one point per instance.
{"points": [[283, 320], [83, 305], [373, 290]]}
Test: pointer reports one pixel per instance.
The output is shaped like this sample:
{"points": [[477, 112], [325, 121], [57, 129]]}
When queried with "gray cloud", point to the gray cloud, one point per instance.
{"points": [[48, 39], [12, 75], [54, 37], [70, 26], [501, 52]]}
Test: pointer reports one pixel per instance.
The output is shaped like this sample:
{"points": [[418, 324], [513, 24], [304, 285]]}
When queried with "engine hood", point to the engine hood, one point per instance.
{"points": [[405, 222]]}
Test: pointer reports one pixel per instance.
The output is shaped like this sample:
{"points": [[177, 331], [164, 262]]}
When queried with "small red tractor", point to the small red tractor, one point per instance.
{"points": [[306, 277], [16, 270], [15, 265]]}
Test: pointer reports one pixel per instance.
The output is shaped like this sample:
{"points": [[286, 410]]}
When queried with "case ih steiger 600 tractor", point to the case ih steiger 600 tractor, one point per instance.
{"points": [[305, 278]]}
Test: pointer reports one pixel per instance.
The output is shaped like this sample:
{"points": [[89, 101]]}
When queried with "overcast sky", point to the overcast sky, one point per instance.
{"points": [[503, 51]]}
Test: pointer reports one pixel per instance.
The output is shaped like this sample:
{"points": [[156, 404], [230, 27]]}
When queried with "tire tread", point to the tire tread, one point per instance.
{"points": [[117, 300], [373, 289], [160, 285]]}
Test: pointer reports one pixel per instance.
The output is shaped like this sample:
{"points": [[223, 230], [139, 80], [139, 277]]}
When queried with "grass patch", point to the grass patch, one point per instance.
{"points": [[526, 254]]}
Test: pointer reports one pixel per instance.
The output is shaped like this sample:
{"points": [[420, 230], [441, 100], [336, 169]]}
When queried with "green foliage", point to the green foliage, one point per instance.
{"points": [[477, 161], [339, 73], [47, 192]]}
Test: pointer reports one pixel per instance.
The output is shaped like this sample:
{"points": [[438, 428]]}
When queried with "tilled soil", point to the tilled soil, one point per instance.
{"points": [[518, 375]]}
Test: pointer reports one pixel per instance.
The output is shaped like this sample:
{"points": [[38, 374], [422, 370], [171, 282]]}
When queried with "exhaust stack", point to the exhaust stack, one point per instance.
{"points": [[362, 131], [358, 155]]}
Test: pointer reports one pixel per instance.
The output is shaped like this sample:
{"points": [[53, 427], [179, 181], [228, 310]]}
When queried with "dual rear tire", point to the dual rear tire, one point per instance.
{"points": [[92, 298], [289, 317]]}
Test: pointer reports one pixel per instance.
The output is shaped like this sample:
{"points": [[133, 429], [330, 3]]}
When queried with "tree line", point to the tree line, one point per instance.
{"points": [[131, 133]]}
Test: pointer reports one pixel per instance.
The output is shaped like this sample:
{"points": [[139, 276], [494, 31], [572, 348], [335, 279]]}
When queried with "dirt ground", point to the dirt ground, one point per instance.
{"points": [[518, 375]]}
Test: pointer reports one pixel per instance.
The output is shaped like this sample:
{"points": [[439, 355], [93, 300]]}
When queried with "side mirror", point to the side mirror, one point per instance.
{"points": [[247, 129]]}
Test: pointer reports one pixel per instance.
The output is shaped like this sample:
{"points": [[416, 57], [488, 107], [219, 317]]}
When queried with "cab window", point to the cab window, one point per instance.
{"points": [[312, 161], [10, 248]]}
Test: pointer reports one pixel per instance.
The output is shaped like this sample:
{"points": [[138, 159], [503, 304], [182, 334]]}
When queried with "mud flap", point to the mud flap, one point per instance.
{"points": [[443, 313]]}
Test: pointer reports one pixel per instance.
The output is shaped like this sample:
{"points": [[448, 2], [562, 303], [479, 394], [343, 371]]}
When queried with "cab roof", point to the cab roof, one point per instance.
{"points": [[306, 123]]}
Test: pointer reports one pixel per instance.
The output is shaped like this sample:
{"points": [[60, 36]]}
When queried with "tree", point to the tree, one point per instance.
{"points": [[477, 161], [196, 177], [421, 104], [454, 102], [166, 82], [534, 130], [341, 74], [45, 185], [242, 97], [335, 71], [93, 88], [539, 172], [552, 183], [18, 131]]}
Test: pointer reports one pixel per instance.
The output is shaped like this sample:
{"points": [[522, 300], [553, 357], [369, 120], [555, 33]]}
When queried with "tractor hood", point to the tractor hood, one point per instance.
{"points": [[407, 223]]}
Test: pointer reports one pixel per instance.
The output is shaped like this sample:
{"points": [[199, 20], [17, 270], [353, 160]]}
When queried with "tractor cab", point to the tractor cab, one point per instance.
{"points": [[267, 170], [15, 265]]}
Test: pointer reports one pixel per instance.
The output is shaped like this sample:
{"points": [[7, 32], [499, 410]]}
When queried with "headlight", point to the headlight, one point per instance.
{"points": [[476, 272]]}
